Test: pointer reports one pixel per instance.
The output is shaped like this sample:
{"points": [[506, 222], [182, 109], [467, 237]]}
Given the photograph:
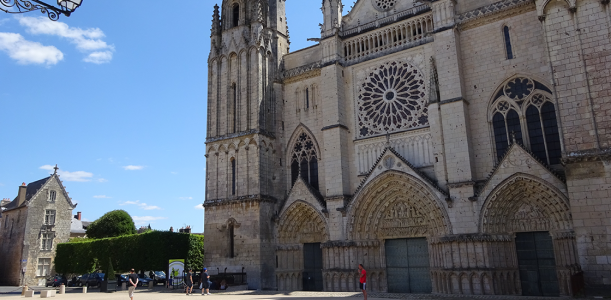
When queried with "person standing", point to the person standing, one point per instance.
{"points": [[189, 282], [133, 283], [205, 283], [363, 280]]}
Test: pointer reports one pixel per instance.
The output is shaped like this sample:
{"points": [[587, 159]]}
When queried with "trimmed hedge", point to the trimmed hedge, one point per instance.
{"points": [[147, 251]]}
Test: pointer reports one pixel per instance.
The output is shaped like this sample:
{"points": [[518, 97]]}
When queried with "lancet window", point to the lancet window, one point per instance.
{"points": [[235, 15], [523, 110], [233, 177], [507, 38], [304, 161]]}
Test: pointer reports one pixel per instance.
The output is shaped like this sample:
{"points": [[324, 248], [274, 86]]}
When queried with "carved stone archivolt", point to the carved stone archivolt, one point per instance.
{"points": [[523, 203], [300, 224], [396, 205]]}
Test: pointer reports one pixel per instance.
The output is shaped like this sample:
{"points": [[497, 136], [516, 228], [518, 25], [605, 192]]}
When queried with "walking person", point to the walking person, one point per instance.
{"points": [[363, 280], [189, 282], [205, 283], [133, 283]]}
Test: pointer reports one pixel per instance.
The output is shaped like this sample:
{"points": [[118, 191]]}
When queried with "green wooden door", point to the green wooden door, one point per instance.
{"points": [[407, 266], [312, 269], [537, 264]]}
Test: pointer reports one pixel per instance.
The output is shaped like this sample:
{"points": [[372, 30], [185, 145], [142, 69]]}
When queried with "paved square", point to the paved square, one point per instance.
{"points": [[159, 294]]}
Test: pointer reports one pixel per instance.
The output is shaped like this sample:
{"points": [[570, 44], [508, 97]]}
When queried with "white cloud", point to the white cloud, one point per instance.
{"points": [[186, 198], [86, 40], [27, 52], [199, 206], [99, 57], [141, 205], [102, 197], [133, 168], [102, 180], [78, 176], [146, 219]]}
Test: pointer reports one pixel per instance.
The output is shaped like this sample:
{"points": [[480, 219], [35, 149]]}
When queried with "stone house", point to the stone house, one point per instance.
{"points": [[450, 146], [32, 225]]}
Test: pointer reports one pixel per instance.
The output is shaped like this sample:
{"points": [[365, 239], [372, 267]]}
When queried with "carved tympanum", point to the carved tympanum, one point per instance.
{"points": [[524, 204], [396, 205], [300, 223]]}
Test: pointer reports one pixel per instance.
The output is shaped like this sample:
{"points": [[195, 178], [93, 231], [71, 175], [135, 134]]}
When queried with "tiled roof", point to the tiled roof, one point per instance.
{"points": [[31, 190]]}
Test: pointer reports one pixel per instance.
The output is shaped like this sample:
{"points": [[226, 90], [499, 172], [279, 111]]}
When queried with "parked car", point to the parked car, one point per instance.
{"points": [[121, 279], [56, 280], [144, 280], [93, 279], [159, 277]]}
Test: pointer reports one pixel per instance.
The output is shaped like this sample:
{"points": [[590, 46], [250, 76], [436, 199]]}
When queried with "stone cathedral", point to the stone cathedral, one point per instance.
{"points": [[450, 146]]}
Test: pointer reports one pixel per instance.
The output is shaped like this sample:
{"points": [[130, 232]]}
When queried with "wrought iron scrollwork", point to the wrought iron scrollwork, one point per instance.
{"points": [[24, 6]]}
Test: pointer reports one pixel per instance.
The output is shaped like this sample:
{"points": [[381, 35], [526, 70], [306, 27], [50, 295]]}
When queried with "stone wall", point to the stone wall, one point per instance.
{"points": [[12, 237]]}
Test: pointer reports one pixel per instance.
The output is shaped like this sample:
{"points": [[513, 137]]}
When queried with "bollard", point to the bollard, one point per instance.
{"points": [[62, 289], [124, 286], [24, 289], [84, 290], [151, 285]]}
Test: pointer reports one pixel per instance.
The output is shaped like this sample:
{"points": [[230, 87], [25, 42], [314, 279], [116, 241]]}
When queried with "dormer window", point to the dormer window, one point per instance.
{"points": [[52, 196], [236, 15]]}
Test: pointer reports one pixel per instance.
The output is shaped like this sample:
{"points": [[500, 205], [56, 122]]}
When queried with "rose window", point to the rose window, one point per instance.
{"points": [[519, 88], [385, 4], [392, 99]]}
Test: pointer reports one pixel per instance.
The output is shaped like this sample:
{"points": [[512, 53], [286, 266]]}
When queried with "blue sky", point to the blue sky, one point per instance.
{"points": [[116, 96]]}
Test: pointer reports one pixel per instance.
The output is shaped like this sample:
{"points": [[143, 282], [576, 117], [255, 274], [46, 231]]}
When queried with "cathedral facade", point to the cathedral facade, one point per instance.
{"points": [[450, 146]]}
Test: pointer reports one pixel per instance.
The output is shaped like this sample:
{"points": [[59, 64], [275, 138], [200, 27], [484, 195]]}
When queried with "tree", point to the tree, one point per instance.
{"points": [[110, 271], [112, 224]]}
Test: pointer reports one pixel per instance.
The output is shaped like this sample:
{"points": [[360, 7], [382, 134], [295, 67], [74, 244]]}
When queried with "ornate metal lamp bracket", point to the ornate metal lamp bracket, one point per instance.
{"points": [[24, 6]]}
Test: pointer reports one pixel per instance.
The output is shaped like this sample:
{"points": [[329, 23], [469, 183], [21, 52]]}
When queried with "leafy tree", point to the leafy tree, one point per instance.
{"points": [[112, 224]]}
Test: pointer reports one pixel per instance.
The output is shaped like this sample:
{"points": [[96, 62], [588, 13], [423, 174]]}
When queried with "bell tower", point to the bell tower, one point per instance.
{"points": [[243, 182]]}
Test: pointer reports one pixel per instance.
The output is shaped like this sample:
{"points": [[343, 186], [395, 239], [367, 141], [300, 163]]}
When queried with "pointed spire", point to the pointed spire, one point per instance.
{"points": [[434, 94], [216, 20], [258, 12]]}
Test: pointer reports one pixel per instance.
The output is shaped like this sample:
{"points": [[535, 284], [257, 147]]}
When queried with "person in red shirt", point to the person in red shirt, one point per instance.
{"points": [[363, 280]]}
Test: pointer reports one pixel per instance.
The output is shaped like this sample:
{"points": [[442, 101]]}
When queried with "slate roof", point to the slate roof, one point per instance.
{"points": [[77, 226], [31, 190]]}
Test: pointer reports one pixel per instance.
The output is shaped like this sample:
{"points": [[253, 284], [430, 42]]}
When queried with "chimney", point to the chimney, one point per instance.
{"points": [[21, 195], [78, 215]]}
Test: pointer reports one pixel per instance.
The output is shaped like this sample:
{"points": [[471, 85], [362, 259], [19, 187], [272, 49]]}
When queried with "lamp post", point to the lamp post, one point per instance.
{"points": [[66, 7]]}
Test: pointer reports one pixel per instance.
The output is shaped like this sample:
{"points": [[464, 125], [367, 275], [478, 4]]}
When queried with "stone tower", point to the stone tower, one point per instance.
{"points": [[249, 39]]}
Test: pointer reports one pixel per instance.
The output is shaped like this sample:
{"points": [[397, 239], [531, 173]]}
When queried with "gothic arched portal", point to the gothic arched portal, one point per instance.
{"points": [[396, 205]]}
